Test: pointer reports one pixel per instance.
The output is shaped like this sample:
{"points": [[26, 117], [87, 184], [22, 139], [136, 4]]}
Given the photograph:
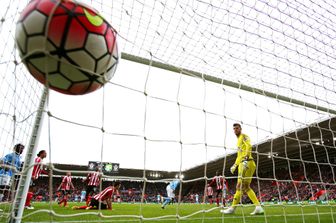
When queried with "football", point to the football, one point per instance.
{"points": [[67, 45]]}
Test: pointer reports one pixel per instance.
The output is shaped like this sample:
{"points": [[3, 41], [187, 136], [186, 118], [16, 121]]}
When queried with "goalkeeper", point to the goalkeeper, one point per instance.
{"points": [[246, 168]]}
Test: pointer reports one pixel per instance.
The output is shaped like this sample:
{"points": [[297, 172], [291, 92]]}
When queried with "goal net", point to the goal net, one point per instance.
{"points": [[189, 71]]}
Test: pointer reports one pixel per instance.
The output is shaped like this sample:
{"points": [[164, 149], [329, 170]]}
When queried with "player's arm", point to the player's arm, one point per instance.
{"points": [[4, 161], [238, 159], [87, 178], [212, 182], [59, 188], [43, 171], [240, 152], [246, 154], [72, 186]]}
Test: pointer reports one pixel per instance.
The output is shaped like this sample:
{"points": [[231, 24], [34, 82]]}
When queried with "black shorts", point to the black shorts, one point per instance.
{"points": [[32, 183], [65, 192], [90, 190], [210, 196], [95, 203], [218, 192]]}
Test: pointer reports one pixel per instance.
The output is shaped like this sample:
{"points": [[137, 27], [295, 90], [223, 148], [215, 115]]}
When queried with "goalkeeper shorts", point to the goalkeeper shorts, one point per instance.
{"points": [[245, 175]]}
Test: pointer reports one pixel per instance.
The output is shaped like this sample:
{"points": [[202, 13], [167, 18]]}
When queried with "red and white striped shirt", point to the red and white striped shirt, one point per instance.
{"points": [[66, 183], [209, 191], [93, 179], [105, 194], [218, 181], [37, 171]]}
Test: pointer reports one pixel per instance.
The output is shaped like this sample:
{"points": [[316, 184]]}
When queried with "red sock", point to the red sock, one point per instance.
{"points": [[217, 201], [65, 202], [210, 201], [61, 201], [82, 207], [29, 198]]}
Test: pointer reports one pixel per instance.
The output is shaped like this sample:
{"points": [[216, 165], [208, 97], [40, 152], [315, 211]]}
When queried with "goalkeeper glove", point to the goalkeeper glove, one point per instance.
{"points": [[233, 168], [245, 167]]}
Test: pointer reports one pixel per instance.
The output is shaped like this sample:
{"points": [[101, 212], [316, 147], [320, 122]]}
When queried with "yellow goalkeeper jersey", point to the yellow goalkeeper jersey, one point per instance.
{"points": [[244, 148]]}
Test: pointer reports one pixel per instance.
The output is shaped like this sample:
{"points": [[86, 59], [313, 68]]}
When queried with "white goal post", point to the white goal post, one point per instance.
{"points": [[189, 70]]}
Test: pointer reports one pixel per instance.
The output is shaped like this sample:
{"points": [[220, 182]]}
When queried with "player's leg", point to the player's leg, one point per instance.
{"points": [[30, 195], [248, 190], [237, 196], [217, 198], [5, 184], [94, 204], [224, 196], [210, 199], [66, 194], [168, 198], [103, 206], [79, 207], [61, 200], [89, 192]]}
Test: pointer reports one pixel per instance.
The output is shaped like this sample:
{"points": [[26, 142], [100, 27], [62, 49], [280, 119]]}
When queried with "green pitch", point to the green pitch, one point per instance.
{"points": [[190, 213]]}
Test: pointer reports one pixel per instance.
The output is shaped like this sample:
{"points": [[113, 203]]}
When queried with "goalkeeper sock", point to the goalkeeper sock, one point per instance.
{"points": [[236, 198], [250, 193]]}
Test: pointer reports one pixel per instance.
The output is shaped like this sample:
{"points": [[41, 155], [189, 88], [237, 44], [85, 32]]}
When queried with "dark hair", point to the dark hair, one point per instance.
{"points": [[41, 151], [117, 183], [17, 147], [236, 124]]}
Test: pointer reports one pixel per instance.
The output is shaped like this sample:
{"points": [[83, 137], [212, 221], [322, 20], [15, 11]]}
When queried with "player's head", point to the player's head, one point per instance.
{"points": [[217, 173], [237, 129], [98, 168], [18, 148], [68, 173], [42, 154], [116, 184]]}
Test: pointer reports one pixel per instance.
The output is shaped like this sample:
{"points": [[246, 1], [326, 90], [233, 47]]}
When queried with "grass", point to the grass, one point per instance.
{"points": [[189, 213]]}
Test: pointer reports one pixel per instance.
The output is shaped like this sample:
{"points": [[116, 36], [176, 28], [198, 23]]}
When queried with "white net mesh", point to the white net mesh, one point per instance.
{"points": [[273, 64], [19, 100]]}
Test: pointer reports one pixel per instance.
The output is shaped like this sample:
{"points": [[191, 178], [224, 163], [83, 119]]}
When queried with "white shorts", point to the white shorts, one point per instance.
{"points": [[170, 192], [5, 180]]}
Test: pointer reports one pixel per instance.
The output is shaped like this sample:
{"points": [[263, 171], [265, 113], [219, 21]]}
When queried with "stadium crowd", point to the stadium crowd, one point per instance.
{"points": [[290, 186]]}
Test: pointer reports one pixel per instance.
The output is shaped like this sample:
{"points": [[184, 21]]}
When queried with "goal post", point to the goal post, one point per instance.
{"points": [[27, 169], [189, 71], [224, 82]]}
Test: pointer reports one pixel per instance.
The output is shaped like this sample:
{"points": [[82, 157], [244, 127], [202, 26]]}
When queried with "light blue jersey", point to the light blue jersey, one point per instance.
{"points": [[11, 159], [197, 198], [174, 184], [83, 193], [170, 192]]}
